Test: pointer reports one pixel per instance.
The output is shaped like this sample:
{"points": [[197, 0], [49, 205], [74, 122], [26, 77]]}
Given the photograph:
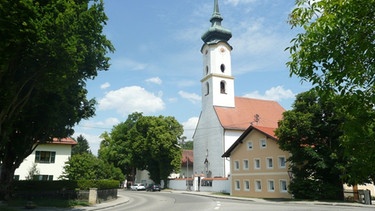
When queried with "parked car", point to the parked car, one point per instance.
{"points": [[138, 186], [153, 187]]}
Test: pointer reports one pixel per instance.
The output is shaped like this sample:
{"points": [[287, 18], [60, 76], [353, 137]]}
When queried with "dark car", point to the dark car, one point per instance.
{"points": [[153, 187]]}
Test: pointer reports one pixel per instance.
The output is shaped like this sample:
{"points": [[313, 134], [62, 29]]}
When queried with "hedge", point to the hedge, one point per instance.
{"points": [[23, 185]]}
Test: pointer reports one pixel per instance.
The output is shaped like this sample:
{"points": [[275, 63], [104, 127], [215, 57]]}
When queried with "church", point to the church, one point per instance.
{"points": [[224, 117]]}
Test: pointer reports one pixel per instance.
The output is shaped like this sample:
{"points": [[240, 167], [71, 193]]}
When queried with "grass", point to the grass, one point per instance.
{"points": [[60, 203]]}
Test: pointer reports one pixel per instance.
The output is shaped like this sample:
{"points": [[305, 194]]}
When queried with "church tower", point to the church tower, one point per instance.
{"points": [[217, 82], [217, 85]]}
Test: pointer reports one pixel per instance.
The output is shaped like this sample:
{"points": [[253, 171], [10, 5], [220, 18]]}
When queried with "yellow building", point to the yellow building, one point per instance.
{"points": [[258, 166]]}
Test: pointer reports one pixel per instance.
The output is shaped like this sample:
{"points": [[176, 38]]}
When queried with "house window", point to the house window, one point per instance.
{"points": [[250, 145], [16, 177], [222, 87], [282, 162], [236, 165], [271, 186], [246, 164], [45, 157], [256, 163], [43, 177], [269, 163], [263, 143], [283, 186], [258, 185], [237, 186], [247, 185]]}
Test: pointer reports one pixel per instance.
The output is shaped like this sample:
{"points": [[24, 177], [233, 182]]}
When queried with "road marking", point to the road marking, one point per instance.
{"points": [[218, 204]]}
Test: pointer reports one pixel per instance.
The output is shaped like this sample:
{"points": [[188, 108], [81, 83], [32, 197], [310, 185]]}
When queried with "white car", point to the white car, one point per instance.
{"points": [[138, 186]]}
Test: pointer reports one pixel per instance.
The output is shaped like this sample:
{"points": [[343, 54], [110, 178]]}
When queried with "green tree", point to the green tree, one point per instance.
{"points": [[335, 51], [311, 132], [32, 172], [47, 54], [146, 143], [116, 147], [88, 167], [82, 146], [188, 145]]}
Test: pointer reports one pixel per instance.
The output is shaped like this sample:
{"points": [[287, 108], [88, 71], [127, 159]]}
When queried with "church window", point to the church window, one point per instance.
{"points": [[222, 68], [222, 87], [207, 88], [206, 70]]}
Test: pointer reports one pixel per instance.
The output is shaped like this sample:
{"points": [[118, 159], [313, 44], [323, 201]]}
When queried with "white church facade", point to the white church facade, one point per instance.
{"points": [[224, 117]]}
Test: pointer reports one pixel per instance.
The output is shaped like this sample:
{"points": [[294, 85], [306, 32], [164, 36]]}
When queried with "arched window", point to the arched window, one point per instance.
{"points": [[207, 88], [222, 87]]}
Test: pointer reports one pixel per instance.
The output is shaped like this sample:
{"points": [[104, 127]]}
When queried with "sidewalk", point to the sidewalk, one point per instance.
{"points": [[261, 200]]}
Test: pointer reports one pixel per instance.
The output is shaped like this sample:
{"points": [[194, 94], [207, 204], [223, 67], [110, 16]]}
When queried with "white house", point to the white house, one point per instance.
{"points": [[49, 159], [224, 117]]}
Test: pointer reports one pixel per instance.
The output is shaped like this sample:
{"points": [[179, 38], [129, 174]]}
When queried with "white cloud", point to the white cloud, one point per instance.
{"points": [[189, 127], [127, 64], [132, 99], [275, 93], [192, 97], [106, 124], [155, 80], [105, 85]]}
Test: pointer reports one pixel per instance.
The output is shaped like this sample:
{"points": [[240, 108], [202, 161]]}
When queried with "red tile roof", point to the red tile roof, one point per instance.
{"points": [[267, 131], [187, 155], [67, 141], [245, 111]]}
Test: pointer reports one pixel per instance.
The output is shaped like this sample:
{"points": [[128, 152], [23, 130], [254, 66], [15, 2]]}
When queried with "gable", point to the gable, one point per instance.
{"points": [[244, 113], [266, 131]]}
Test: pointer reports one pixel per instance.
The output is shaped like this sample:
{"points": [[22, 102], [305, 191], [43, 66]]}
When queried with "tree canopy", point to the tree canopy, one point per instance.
{"points": [[311, 132], [48, 50], [82, 146], [88, 167], [335, 51], [336, 48], [146, 143]]}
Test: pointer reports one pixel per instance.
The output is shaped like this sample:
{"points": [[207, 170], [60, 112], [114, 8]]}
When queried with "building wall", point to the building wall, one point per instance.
{"points": [[230, 137], [218, 185], [208, 143], [265, 175], [63, 152]]}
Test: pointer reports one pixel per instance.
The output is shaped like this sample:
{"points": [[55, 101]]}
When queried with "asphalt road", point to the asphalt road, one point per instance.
{"points": [[165, 201]]}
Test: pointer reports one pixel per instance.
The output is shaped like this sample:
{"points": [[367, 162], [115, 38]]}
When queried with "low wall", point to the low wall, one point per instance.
{"points": [[93, 196], [201, 184]]}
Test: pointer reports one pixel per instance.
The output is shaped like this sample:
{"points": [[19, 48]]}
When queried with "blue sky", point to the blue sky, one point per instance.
{"points": [[157, 66]]}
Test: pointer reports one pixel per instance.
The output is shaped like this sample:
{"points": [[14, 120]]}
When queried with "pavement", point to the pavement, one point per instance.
{"points": [[122, 200]]}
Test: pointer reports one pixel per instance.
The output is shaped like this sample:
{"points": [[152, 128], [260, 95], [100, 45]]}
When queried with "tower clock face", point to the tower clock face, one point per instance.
{"points": [[222, 50]]}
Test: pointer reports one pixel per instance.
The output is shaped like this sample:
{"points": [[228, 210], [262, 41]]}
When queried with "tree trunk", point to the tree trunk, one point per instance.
{"points": [[6, 180]]}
